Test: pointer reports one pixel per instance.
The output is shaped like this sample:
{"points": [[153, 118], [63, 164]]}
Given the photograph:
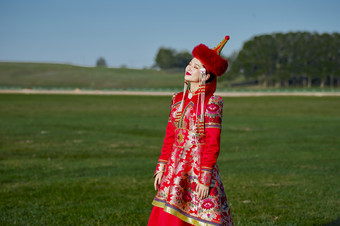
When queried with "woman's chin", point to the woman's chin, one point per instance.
{"points": [[189, 78]]}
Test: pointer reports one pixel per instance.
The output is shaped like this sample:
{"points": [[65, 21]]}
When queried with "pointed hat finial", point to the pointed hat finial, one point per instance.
{"points": [[211, 58], [220, 46]]}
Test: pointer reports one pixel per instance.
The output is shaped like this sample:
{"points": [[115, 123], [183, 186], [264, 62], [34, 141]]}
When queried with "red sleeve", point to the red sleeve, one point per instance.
{"points": [[213, 120], [167, 143]]}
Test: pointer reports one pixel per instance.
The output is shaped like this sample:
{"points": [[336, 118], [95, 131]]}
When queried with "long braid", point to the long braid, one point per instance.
{"points": [[207, 90], [180, 109]]}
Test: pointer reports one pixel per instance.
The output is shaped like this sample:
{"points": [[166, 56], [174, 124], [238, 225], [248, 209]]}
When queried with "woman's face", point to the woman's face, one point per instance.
{"points": [[192, 71]]}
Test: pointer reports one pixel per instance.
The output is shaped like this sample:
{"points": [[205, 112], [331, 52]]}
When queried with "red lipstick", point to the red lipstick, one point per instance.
{"points": [[187, 73]]}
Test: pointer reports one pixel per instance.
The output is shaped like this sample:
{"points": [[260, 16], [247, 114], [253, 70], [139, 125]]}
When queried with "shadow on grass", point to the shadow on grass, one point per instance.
{"points": [[333, 223]]}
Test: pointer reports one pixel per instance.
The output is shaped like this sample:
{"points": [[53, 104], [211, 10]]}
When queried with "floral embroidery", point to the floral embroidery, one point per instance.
{"points": [[213, 114], [213, 192], [208, 204], [205, 176], [212, 107], [187, 197], [193, 186], [182, 183]]}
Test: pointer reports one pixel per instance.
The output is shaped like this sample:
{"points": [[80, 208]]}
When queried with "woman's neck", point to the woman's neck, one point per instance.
{"points": [[194, 86]]}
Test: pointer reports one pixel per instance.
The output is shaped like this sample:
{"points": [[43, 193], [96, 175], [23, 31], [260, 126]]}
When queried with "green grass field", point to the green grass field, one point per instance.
{"points": [[89, 160]]}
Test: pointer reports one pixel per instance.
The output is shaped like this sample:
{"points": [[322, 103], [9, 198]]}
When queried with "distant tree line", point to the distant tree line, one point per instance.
{"points": [[295, 58], [278, 59], [168, 58]]}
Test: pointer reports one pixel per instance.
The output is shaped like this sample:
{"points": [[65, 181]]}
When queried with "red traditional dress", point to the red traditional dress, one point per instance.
{"points": [[188, 158]]}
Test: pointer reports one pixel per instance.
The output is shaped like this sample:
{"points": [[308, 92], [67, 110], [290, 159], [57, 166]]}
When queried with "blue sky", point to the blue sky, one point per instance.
{"points": [[130, 32]]}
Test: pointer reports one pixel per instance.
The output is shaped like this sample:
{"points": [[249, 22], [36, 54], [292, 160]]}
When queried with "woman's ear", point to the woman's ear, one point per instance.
{"points": [[207, 77]]}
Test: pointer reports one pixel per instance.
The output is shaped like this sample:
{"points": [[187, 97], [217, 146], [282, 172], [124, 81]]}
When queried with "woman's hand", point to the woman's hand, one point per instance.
{"points": [[158, 179], [202, 191]]}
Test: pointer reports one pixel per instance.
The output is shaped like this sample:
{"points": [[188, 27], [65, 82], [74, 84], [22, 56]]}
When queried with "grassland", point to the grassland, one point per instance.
{"points": [[89, 160], [30, 75]]}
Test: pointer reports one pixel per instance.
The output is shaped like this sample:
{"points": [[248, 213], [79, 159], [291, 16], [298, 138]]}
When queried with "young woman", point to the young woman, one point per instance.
{"points": [[190, 190]]}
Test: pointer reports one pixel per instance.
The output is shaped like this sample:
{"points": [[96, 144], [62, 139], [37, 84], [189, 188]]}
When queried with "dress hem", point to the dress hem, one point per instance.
{"points": [[181, 215]]}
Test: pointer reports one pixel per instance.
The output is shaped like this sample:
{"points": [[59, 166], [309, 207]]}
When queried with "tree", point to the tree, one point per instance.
{"points": [[231, 60], [168, 58], [165, 58], [182, 59], [294, 57], [101, 62]]}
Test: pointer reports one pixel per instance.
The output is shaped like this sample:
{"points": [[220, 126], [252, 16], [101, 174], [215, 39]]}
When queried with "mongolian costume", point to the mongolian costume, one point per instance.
{"points": [[189, 154]]}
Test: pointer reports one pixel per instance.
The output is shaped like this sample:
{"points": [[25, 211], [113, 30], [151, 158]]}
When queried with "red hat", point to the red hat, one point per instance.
{"points": [[211, 58]]}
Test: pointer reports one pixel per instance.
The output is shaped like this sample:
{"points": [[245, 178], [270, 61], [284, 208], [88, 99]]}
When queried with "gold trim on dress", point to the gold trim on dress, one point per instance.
{"points": [[180, 215]]}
